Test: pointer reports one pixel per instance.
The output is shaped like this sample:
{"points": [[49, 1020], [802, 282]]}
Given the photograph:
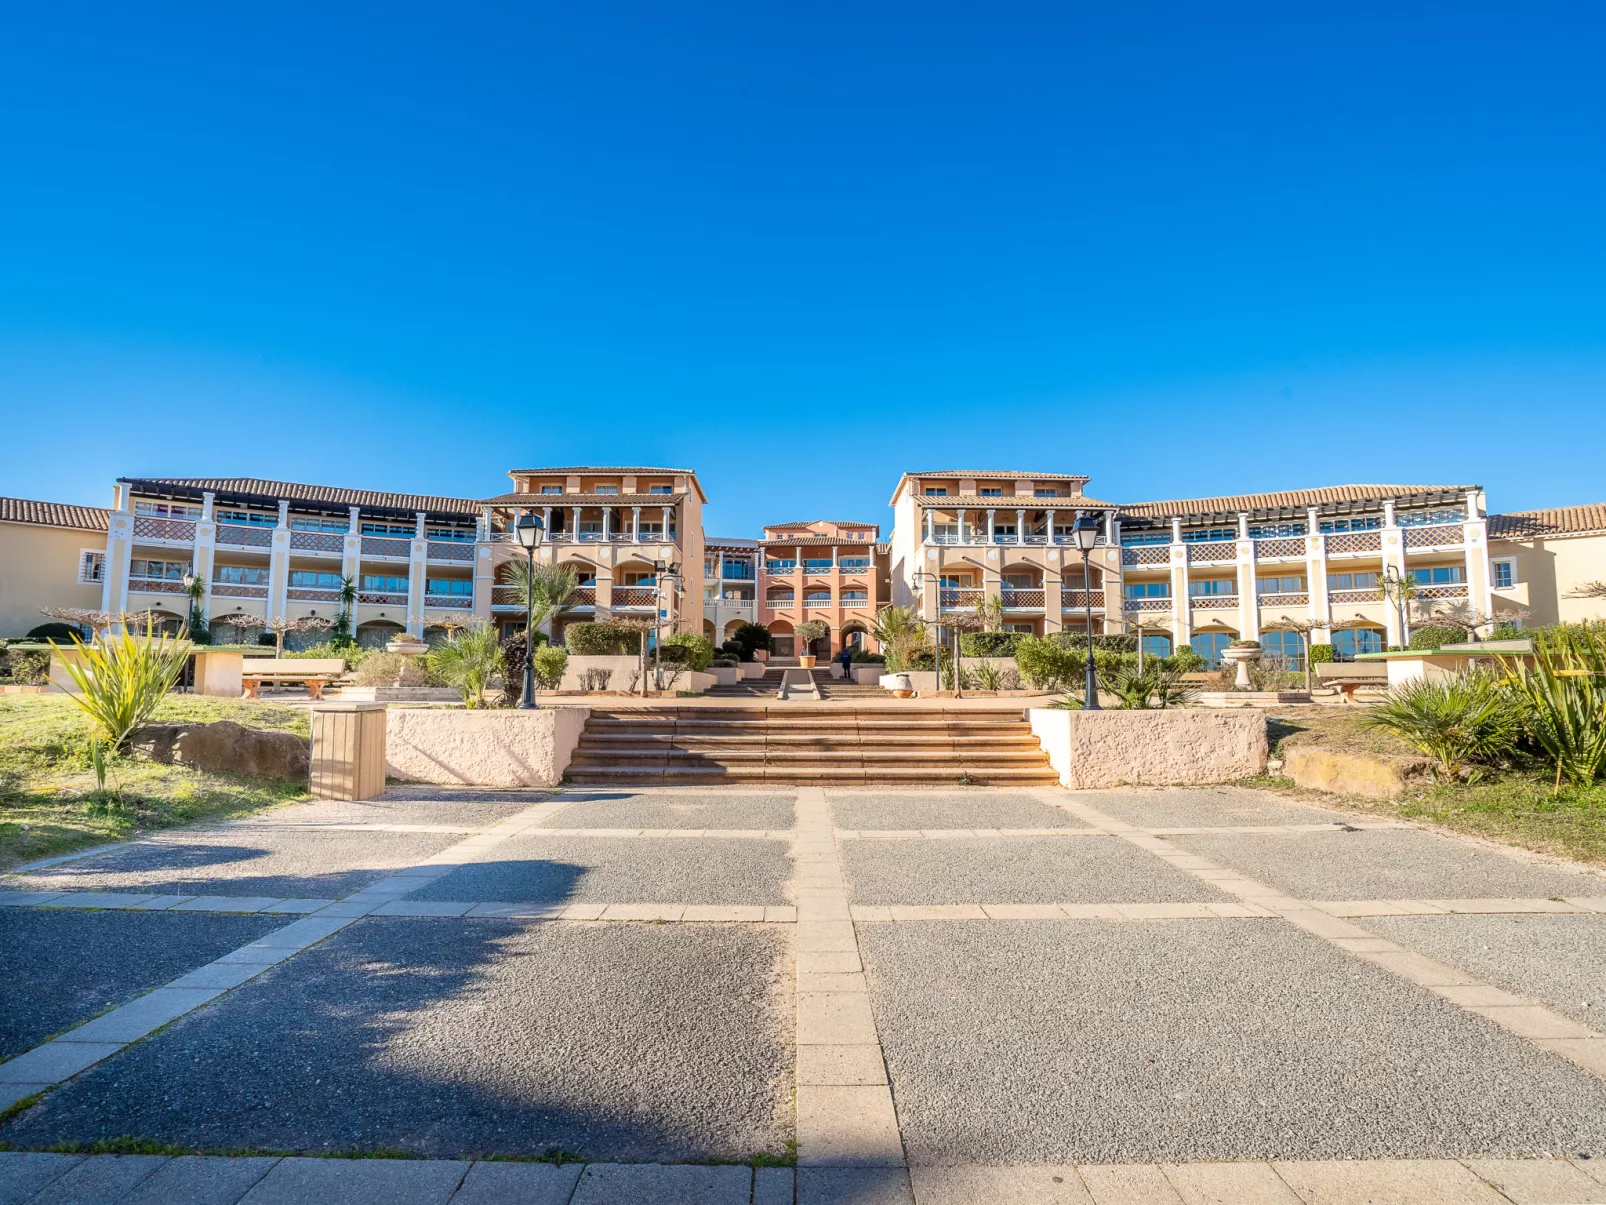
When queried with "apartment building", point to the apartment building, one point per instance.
{"points": [[821, 569], [730, 585]]}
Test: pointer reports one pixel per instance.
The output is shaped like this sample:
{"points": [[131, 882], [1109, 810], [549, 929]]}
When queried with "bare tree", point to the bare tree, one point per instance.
{"points": [[1468, 618], [242, 624], [1587, 590], [1304, 625], [100, 622], [283, 625]]}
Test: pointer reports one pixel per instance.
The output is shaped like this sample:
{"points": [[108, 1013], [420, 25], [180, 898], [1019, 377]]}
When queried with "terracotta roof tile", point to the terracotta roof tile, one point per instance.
{"points": [[803, 524], [601, 468], [1004, 474], [1284, 499], [564, 501], [1556, 521], [53, 514], [815, 539], [979, 502], [335, 495]]}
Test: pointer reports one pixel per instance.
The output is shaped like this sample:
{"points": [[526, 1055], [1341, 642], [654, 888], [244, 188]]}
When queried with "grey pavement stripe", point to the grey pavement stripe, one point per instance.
{"points": [[872, 913], [46, 863], [938, 834], [45, 1178], [1518, 1015], [332, 827]]}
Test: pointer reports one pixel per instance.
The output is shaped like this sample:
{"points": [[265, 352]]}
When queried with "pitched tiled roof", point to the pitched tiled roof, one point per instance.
{"points": [[562, 501], [53, 514], [817, 539], [1285, 499], [1557, 521], [600, 468], [1006, 474], [805, 524], [981, 502], [295, 492]]}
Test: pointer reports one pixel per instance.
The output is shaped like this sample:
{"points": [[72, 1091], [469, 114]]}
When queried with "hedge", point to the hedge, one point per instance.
{"points": [[989, 644], [1435, 636], [602, 639], [1322, 654]]}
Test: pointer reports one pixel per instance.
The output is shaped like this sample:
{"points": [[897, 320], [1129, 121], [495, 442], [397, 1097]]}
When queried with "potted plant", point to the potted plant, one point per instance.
{"points": [[807, 634], [1241, 653]]}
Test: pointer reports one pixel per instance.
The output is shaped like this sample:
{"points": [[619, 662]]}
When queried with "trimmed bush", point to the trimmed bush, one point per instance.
{"points": [[1114, 643], [28, 669], [749, 638], [1186, 661], [1436, 636], [550, 662], [601, 639], [1047, 664], [696, 650], [989, 644], [1323, 654], [268, 640]]}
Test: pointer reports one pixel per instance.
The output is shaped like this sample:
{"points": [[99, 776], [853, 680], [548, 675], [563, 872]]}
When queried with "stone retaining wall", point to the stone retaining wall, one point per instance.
{"points": [[502, 748], [1372, 776], [1177, 746]]}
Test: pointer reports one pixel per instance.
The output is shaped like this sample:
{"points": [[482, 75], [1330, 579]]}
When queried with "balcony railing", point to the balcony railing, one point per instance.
{"points": [[177, 531], [961, 597], [506, 596], [308, 594], [449, 602], [780, 600], [1341, 543], [1147, 604], [155, 585], [1443, 536], [1214, 602], [979, 537], [1301, 599], [1434, 592], [1016, 600], [634, 596], [449, 550], [376, 598], [1147, 554], [737, 572], [583, 596], [317, 541], [1080, 600], [244, 536], [236, 590], [1207, 552], [1355, 596], [386, 546], [742, 606], [780, 567], [1281, 548], [854, 564]]}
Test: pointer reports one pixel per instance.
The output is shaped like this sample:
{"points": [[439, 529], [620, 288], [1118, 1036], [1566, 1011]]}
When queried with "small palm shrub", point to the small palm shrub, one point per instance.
{"points": [[1563, 698], [468, 663], [550, 661], [122, 679], [987, 675], [749, 638], [1459, 722]]}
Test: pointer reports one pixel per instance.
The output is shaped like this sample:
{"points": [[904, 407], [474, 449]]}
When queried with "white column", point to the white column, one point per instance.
{"points": [[279, 563], [931, 525], [546, 521], [1393, 555], [1480, 574], [666, 524], [1020, 527], [574, 529], [1109, 528], [635, 525], [607, 511], [119, 552], [1316, 574], [961, 525], [991, 537], [1181, 611]]}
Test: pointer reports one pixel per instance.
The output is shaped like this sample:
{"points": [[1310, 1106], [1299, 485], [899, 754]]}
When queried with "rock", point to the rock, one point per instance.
{"points": [[156, 741], [236, 749], [1373, 776]]}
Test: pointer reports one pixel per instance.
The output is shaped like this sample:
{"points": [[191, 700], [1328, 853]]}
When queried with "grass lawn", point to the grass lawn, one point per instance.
{"points": [[1514, 805], [46, 777]]}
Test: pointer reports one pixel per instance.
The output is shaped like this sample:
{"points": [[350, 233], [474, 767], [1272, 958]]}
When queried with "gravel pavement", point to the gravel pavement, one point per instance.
{"points": [[665, 809], [405, 809], [1560, 960], [946, 810], [1205, 807], [595, 870], [1383, 864], [627, 1042], [59, 967], [1022, 1042], [240, 860], [1012, 870]]}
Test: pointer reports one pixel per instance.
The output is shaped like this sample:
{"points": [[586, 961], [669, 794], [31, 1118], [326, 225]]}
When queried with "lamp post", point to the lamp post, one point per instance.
{"points": [[529, 531], [666, 575], [1400, 591], [1084, 536], [919, 579]]}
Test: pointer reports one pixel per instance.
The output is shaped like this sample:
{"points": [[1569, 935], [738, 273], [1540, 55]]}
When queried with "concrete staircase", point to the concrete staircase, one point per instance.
{"points": [[767, 686], [830, 744]]}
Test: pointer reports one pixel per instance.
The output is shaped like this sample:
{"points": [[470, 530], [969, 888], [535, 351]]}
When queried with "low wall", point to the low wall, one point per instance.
{"points": [[1370, 776], [1177, 746], [622, 669], [501, 748]]}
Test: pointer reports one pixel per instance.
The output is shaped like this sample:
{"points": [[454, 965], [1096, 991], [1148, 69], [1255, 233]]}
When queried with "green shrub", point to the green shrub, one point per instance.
{"points": [[807, 633], [352, 655], [989, 644], [550, 662], [1184, 660], [1047, 664], [602, 639], [1456, 721], [1563, 697], [749, 638], [723, 662], [121, 680], [268, 640], [468, 663], [1323, 654], [28, 669], [1507, 631], [1434, 636], [1119, 642], [380, 668], [860, 656], [53, 631], [699, 649]]}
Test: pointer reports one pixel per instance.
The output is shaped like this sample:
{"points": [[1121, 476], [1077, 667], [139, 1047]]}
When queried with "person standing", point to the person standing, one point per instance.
{"points": [[846, 657]]}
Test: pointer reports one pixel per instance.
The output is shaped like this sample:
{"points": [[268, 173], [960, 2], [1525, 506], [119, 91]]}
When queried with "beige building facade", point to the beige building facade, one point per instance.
{"points": [[51, 555]]}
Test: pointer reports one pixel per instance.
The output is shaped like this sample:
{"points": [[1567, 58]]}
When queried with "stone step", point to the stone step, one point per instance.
{"points": [[1024, 757], [792, 776]]}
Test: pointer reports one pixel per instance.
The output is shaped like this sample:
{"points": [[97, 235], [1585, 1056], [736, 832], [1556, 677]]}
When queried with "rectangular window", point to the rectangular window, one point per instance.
{"points": [[247, 518], [1139, 539], [308, 579], [660, 489], [853, 598], [461, 587], [1206, 535], [854, 564], [991, 492], [1212, 589], [339, 526], [551, 489], [389, 529], [1157, 646], [1148, 589], [384, 584], [606, 489], [167, 510], [1045, 493], [1430, 518], [1349, 643], [936, 491], [1505, 574], [1352, 581], [1370, 523], [1270, 531], [241, 575], [91, 566], [1439, 575], [1280, 585], [460, 534], [171, 571]]}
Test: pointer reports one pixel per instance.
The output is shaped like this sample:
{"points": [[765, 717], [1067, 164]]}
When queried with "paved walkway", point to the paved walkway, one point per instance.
{"points": [[943, 996]]}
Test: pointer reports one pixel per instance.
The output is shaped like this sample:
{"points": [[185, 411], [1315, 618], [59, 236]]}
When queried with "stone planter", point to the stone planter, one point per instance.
{"points": [[752, 669], [1241, 657], [806, 662]]}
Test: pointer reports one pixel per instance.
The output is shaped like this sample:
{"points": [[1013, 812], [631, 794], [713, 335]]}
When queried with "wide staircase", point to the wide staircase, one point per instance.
{"points": [[767, 686], [809, 744]]}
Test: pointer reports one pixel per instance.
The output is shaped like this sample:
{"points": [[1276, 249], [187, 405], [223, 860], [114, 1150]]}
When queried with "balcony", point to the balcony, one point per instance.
{"points": [[1214, 602], [952, 598], [858, 564], [450, 550], [736, 606], [582, 597], [1021, 599], [1354, 543], [1080, 600], [634, 598], [738, 571], [1280, 548], [1147, 604], [237, 590], [1441, 592], [1146, 554], [449, 602], [1212, 552], [1300, 599], [1446, 535], [243, 536], [309, 595], [154, 585], [1355, 596], [378, 598], [164, 531], [387, 548], [780, 567], [506, 598]]}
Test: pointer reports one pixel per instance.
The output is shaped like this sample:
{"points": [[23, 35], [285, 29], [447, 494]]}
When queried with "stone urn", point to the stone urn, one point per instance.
{"points": [[406, 646], [1241, 656], [899, 684]]}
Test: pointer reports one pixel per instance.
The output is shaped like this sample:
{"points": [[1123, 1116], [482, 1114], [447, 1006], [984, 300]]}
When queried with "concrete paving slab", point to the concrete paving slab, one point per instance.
{"points": [[26, 899], [619, 1042], [407, 805], [358, 1182], [853, 1186], [1206, 807], [1539, 1181], [138, 1017], [1396, 1182], [100, 899], [1229, 1184], [774, 1186], [1129, 1184], [227, 903], [568, 870], [99, 1181], [58, 968], [199, 1180], [10, 1094], [888, 810], [243, 861], [673, 810], [1023, 870], [1046, 1185], [297, 906], [518, 1184], [1181, 1041], [55, 1061], [632, 1183], [1383, 864], [23, 1174], [1558, 960]]}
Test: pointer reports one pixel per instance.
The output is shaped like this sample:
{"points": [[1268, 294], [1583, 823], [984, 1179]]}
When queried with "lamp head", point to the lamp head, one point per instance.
{"points": [[189, 581], [1086, 533], [529, 531]]}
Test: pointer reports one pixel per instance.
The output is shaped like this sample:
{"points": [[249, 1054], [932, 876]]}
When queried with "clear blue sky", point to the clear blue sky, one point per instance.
{"points": [[1185, 249]]}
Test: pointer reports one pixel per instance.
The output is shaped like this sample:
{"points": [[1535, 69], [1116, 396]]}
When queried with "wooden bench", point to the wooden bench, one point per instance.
{"points": [[311, 672]]}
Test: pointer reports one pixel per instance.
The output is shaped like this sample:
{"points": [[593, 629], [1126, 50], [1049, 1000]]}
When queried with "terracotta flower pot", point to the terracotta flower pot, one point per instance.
{"points": [[806, 662]]}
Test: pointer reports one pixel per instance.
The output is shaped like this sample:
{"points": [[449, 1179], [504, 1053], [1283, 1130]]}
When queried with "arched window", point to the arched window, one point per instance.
{"points": [[1348, 643], [1209, 645]]}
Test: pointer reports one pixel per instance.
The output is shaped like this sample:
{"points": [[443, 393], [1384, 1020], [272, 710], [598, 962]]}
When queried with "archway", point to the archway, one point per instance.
{"points": [[781, 642], [376, 633]]}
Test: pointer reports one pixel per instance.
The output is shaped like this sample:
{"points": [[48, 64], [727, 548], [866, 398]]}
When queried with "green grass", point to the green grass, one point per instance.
{"points": [[47, 783], [1513, 804]]}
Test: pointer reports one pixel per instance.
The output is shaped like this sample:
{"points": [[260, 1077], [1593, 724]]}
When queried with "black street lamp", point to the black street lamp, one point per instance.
{"points": [[1084, 536], [529, 532]]}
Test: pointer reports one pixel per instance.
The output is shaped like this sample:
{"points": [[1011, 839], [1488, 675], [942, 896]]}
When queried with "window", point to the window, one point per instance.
{"points": [[1430, 518], [458, 587], [390, 529], [1439, 575], [855, 598], [1045, 493], [1148, 589], [854, 563], [1139, 539], [91, 566], [991, 492], [171, 571], [606, 489], [1205, 535], [1349, 643], [780, 566], [1505, 574], [1157, 646], [460, 534], [308, 579], [338, 526], [1018, 627], [241, 575], [816, 565], [384, 583], [551, 489], [247, 518], [1270, 531], [1212, 589], [1288, 646], [817, 598], [1352, 581], [1371, 523], [1280, 585], [936, 491], [1209, 645], [167, 510]]}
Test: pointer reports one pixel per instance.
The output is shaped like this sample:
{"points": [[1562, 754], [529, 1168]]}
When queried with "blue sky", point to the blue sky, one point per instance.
{"points": [[1183, 249]]}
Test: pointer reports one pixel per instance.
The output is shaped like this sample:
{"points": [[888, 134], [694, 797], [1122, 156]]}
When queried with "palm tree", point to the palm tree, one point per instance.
{"points": [[343, 634], [898, 630], [469, 662], [545, 589]]}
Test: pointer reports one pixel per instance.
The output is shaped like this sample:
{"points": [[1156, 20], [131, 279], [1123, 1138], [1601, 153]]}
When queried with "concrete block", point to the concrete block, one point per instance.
{"points": [[1370, 776], [358, 1182], [631, 1183], [483, 748], [99, 1180], [138, 1017], [1386, 1182], [55, 1061], [23, 1174], [519, 1184], [1188, 746]]}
